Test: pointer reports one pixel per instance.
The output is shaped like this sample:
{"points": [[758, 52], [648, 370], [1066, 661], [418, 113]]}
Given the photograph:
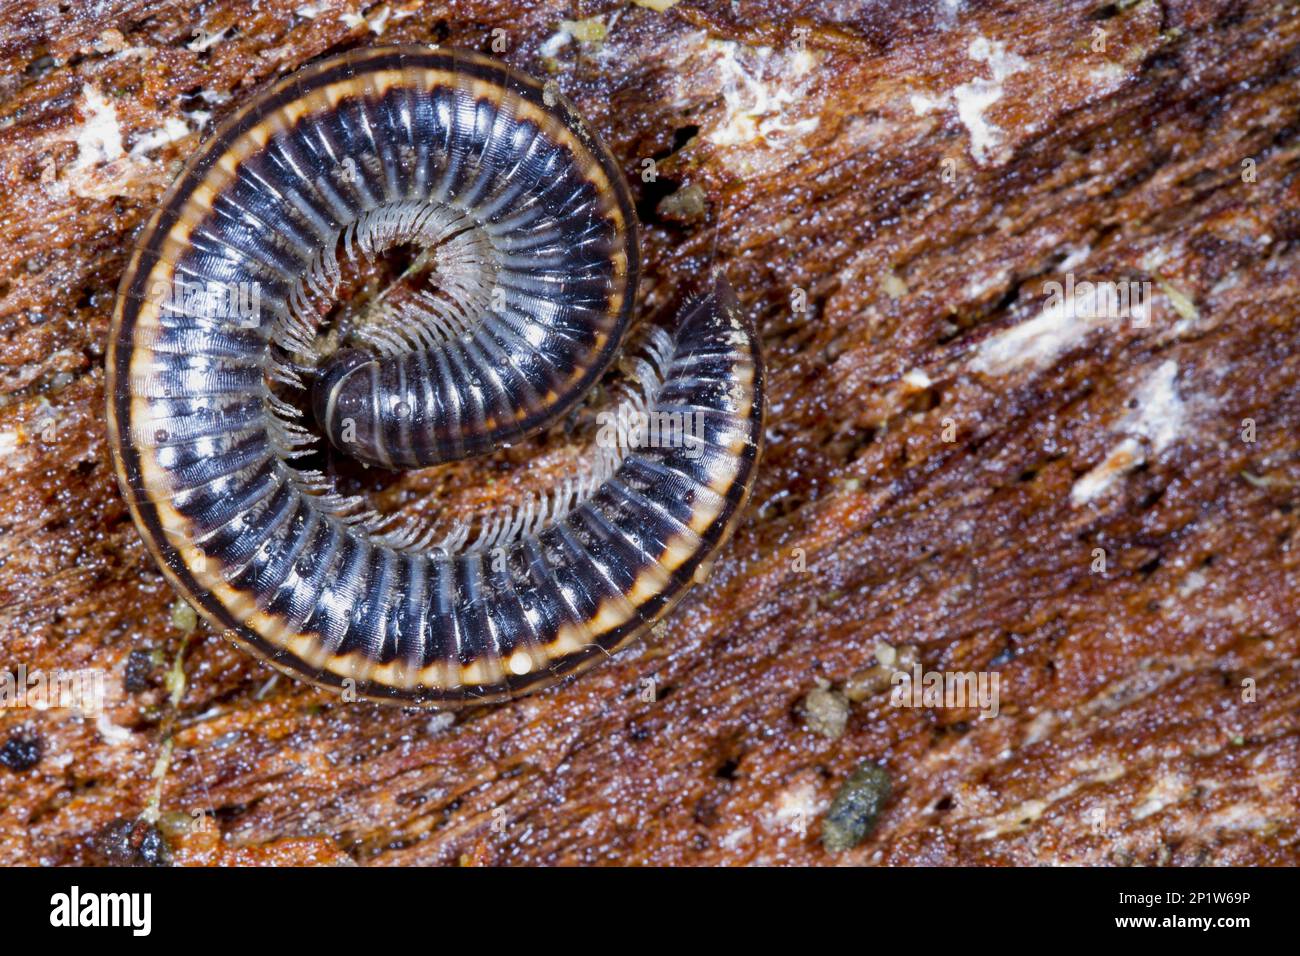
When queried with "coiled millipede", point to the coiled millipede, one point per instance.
{"points": [[236, 367]]}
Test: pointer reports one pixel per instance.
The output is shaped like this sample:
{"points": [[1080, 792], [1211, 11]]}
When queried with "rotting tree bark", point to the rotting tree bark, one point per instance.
{"points": [[946, 452]]}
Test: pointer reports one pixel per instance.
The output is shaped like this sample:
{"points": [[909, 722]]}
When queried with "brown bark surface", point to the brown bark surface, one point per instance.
{"points": [[946, 453]]}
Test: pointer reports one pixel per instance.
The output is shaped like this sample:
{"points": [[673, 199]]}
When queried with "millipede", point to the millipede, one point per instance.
{"points": [[246, 355]]}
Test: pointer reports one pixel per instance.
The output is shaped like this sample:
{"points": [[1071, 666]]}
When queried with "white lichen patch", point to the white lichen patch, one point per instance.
{"points": [[761, 89], [103, 167], [1160, 414], [923, 105], [1062, 324], [197, 119], [1001, 63], [1156, 421], [99, 140], [796, 807], [174, 128], [100, 168], [973, 99], [1121, 459]]}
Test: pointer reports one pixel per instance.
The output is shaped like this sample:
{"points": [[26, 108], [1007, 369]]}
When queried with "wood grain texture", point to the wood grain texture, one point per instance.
{"points": [[945, 451]]}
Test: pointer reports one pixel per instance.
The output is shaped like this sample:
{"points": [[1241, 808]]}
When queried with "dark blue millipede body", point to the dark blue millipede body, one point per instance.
{"points": [[236, 366]]}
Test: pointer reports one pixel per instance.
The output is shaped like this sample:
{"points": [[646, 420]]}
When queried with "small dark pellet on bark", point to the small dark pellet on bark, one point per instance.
{"points": [[129, 842], [21, 752], [855, 809]]}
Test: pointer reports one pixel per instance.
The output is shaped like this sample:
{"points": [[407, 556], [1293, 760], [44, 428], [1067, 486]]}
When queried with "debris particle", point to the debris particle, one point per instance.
{"points": [[110, 41], [183, 617], [826, 712], [175, 824], [894, 285], [440, 722], [686, 203], [590, 30], [174, 681], [265, 689], [139, 664], [855, 809], [873, 680], [1183, 305], [1265, 481]]}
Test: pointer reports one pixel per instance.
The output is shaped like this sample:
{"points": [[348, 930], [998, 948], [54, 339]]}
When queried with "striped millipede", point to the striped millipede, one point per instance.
{"points": [[497, 190]]}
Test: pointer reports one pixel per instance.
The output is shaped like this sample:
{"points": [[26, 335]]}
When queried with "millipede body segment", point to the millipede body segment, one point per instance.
{"points": [[234, 362]]}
